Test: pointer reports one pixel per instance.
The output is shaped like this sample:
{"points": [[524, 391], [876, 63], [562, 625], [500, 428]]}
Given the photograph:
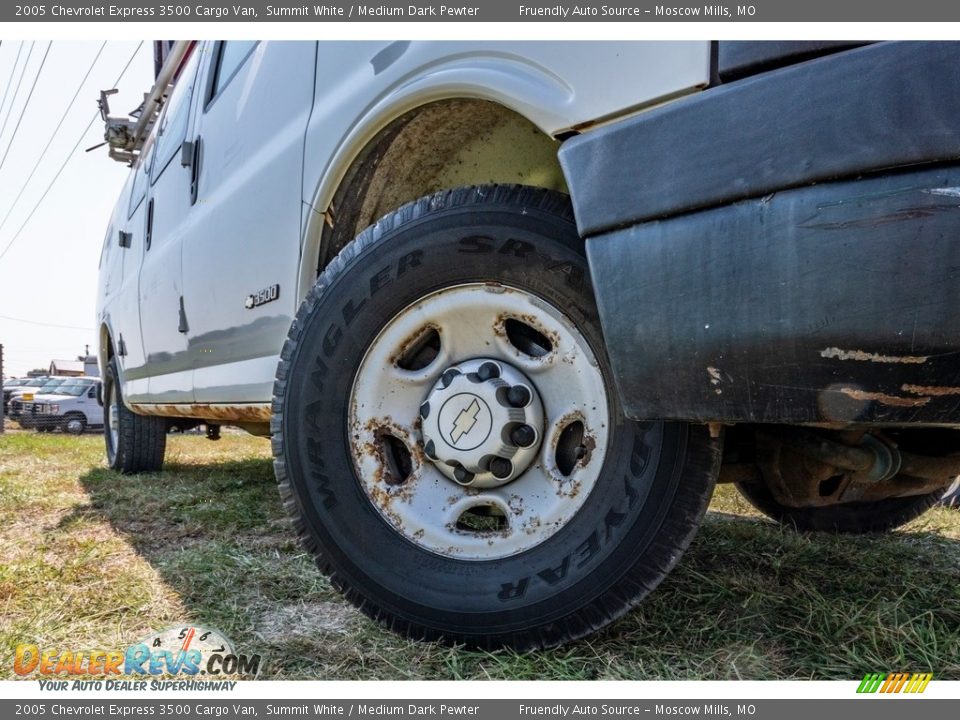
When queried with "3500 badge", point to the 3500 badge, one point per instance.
{"points": [[262, 297]]}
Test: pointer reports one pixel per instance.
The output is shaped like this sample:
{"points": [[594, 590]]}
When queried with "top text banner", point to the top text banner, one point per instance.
{"points": [[482, 11]]}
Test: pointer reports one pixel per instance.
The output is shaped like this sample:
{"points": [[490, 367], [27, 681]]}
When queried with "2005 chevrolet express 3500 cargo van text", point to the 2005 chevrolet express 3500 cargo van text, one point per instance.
{"points": [[509, 311]]}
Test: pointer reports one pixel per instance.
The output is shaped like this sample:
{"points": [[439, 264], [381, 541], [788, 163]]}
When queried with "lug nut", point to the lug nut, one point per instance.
{"points": [[488, 370], [501, 468], [448, 377], [523, 436], [463, 476], [430, 450], [518, 396], [425, 410]]}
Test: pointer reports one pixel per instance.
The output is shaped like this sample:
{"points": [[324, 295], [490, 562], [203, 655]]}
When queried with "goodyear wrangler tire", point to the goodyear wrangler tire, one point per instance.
{"points": [[447, 438], [134, 443]]}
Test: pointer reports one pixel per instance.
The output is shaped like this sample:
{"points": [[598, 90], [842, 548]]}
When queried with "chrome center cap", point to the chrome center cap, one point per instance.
{"points": [[482, 423]]}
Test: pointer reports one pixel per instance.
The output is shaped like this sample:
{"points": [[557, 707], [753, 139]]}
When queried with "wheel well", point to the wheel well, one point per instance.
{"points": [[442, 145]]}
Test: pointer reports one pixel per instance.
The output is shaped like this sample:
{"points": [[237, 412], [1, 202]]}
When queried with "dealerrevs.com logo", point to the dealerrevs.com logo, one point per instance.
{"points": [[185, 652]]}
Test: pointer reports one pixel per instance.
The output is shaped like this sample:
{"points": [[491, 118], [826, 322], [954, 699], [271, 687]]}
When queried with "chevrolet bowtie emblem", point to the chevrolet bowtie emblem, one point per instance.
{"points": [[465, 421]]}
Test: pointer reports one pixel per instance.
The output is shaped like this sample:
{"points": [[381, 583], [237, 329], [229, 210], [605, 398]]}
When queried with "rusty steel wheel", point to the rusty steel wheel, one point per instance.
{"points": [[479, 421], [447, 438]]}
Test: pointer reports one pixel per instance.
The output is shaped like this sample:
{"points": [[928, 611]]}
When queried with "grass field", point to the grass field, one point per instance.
{"points": [[90, 558]]}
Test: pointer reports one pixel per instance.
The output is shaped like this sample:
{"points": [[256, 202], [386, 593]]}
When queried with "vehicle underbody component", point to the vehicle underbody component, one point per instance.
{"points": [[808, 468]]}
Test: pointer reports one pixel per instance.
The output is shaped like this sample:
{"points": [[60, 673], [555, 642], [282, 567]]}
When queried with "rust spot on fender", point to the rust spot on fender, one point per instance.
{"points": [[894, 400], [931, 390], [839, 354]]}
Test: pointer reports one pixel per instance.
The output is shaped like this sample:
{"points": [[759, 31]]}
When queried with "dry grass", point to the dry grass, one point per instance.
{"points": [[91, 558]]}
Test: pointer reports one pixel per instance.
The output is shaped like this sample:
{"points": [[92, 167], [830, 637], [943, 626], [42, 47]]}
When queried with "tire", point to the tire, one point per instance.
{"points": [[853, 518], [951, 498], [645, 488], [134, 443], [73, 424]]}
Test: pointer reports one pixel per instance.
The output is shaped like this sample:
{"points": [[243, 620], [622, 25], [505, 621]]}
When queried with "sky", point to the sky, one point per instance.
{"points": [[48, 277]]}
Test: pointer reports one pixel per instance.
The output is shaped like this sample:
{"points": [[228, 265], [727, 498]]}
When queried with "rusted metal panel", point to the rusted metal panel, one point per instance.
{"points": [[240, 413]]}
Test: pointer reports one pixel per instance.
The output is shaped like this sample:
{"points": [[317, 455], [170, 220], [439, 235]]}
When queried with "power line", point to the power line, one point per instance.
{"points": [[13, 100], [20, 350], [13, 69], [53, 136], [45, 324], [68, 158], [23, 110], [6, 89]]}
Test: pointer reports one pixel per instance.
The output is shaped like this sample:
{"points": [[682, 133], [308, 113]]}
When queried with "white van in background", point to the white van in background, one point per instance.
{"points": [[72, 406]]}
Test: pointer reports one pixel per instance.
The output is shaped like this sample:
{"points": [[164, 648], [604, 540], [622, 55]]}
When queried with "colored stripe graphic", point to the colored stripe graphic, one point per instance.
{"points": [[870, 683], [895, 682]]}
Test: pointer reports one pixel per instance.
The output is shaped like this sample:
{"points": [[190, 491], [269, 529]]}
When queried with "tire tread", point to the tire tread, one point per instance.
{"points": [[679, 526], [142, 439]]}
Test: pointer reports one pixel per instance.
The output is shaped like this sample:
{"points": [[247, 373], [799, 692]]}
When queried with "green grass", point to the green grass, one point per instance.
{"points": [[90, 558]]}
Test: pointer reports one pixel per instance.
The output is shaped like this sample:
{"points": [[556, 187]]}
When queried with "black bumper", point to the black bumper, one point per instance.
{"points": [[785, 248], [881, 106], [837, 302]]}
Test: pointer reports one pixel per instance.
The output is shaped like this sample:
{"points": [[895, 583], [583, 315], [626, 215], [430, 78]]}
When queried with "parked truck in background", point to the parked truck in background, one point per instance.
{"points": [[72, 407], [508, 311]]}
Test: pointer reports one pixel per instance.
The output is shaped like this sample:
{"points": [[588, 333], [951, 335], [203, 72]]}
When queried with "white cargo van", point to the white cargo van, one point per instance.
{"points": [[509, 310]]}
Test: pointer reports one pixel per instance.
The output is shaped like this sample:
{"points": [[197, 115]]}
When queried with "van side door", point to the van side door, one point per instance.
{"points": [[124, 314], [241, 256], [164, 318]]}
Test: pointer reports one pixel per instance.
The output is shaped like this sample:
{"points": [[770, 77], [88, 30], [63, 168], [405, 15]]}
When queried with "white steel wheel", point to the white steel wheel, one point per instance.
{"points": [[448, 439], [449, 460]]}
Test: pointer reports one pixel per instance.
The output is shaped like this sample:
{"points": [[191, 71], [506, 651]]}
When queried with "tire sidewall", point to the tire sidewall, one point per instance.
{"points": [[110, 386], [534, 251]]}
